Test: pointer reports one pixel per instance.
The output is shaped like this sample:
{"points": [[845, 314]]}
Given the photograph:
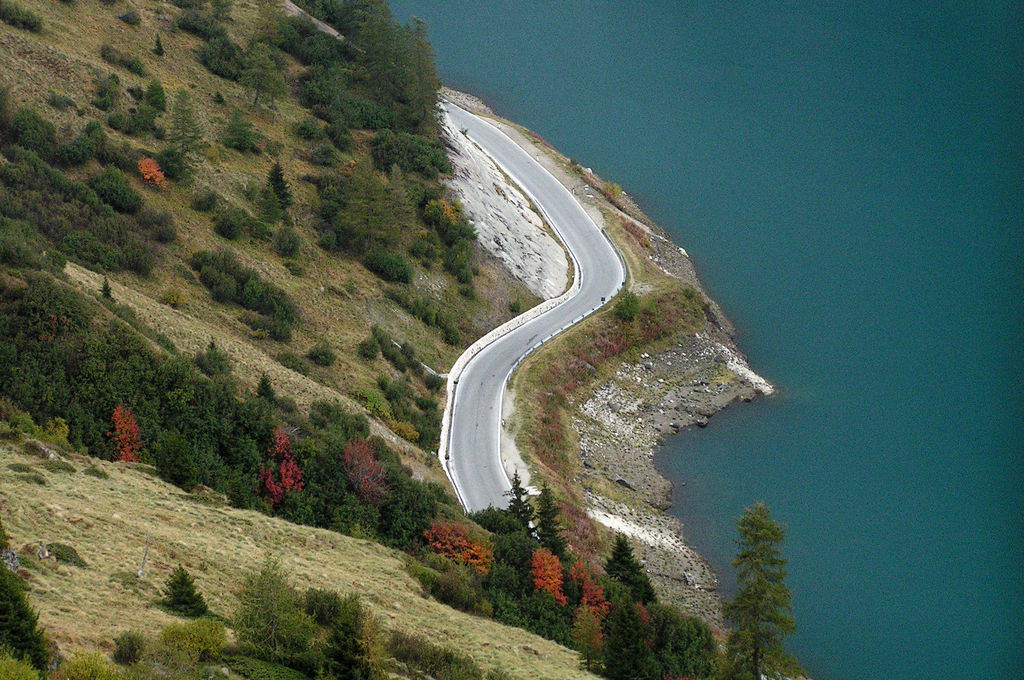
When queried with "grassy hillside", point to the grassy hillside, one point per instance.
{"points": [[107, 522], [56, 72]]}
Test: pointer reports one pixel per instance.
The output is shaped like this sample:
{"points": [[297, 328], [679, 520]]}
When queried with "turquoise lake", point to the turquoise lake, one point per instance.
{"points": [[849, 180]]}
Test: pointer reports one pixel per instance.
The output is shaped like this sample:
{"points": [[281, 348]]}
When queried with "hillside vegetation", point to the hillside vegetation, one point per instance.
{"points": [[227, 262], [107, 522]]}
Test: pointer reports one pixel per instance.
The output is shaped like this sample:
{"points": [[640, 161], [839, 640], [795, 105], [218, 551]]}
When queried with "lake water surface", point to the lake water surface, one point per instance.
{"points": [[848, 180]]}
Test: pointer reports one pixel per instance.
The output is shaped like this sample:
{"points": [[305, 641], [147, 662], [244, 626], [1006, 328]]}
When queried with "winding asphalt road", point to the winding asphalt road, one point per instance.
{"points": [[472, 456]]}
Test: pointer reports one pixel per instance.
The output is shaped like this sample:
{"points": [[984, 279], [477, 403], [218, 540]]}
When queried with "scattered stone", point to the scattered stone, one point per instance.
{"points": [[10, 559]]}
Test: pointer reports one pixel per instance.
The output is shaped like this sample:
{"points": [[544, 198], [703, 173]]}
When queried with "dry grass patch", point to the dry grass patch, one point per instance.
{"points": [[107, 522]]}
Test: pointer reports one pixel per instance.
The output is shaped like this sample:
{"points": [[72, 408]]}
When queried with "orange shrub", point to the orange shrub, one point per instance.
{"points": [[151, 172], [453, 541], [547, 574]]}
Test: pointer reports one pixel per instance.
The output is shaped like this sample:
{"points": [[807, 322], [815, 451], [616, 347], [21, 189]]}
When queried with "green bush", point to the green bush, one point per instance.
{"points": [[324, 606], [294, 362], [433, 382], [324, 155], [129, 647], [239, 133], [138, 119], [321, 354], [59, 101], [32, 131], [214, 361], [15, 15], [460, 587], [255, 669], [108, 92], [310, 129], [98, 473], [131, 17], [76, 152], [232, 223], [441, 663], [113, 188], [411, 153], [159, 224], [200, 24], [87, 666], [227, 280], [388, 266], [56, 465], [66, 553], [116, 57], [221, 56], [205, 201], [286, 242], [16, 669], [369, 349], [202, 639], [173, 163], [155, 95], [627, 306]]}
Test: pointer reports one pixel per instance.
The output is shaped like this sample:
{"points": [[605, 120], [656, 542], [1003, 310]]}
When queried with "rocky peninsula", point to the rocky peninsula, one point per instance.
{"points": [[620, 421]]}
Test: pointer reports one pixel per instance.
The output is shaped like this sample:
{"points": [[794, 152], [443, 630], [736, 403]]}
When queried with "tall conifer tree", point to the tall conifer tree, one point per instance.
{"points": [[277, 182], [624, 568], [549, 523], [519, 504], [626, 653], [761, 609]]}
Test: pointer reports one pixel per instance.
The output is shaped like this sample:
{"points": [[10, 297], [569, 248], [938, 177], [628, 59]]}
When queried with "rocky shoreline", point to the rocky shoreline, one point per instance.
{"points": [[621, 421]]}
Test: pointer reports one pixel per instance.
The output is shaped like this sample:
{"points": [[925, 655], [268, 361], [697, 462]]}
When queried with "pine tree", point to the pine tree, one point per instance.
{"points": [[261, 74], [19, 632], [587, 636], [105, 290], [761, 609], [265, 390], [276, 181], [239, 133], [624, 568], [270, 207], [519, 503], [549, 523], [184, 136], [626, 653], [158, 49], [155, 95], [181, 596]]}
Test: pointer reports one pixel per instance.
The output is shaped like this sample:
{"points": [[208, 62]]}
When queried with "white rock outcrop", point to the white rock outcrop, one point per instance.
{"points": [[505, 224]]}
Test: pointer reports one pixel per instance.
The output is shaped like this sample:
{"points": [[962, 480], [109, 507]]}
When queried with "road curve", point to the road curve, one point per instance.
{"points": [[470, 446]]}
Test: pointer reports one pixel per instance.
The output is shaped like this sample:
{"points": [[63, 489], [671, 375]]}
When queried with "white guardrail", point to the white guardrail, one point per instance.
{"points": [[444, 452]]}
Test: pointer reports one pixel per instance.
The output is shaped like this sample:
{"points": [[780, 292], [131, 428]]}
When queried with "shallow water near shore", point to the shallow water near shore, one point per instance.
{"points": [[849, 183]]}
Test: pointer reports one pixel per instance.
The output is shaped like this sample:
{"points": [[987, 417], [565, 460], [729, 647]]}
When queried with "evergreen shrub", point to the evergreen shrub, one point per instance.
{"points": [[17, 16], [129, 647], [66, 553], [321, 354], [113, 188], [389, 266], [181, 596]]}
